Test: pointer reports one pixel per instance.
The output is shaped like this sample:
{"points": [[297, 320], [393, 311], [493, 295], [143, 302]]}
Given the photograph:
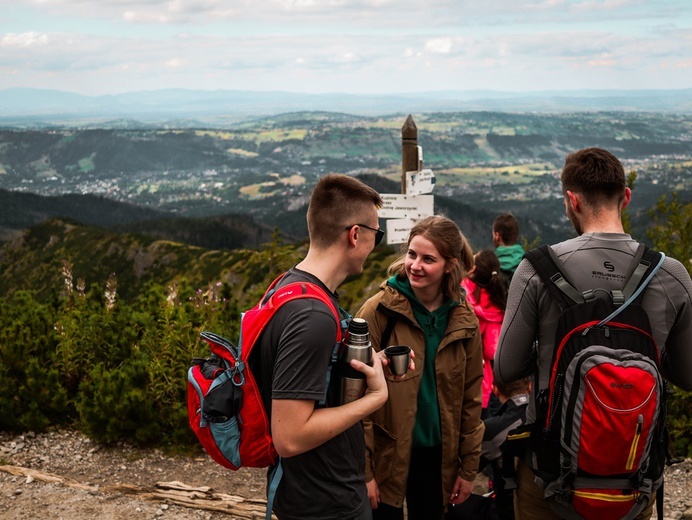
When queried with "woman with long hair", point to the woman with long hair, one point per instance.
{"points": [[487, 293], [423, 446]]}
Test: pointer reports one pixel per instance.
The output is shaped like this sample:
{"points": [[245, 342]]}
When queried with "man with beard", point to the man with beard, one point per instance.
{"points": [[601, 257]]}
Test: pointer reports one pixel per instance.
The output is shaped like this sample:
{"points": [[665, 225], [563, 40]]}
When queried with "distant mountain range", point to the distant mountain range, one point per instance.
{"points": [[19, 211], [180, 107]]}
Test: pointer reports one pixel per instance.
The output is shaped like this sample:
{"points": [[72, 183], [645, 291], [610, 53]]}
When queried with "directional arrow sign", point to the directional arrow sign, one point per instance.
{"points": [[406, 206], [398, 230], [420, 182]]}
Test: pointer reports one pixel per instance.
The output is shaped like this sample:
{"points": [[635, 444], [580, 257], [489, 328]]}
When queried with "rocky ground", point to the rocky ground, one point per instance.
{"points": [[87, 481]]}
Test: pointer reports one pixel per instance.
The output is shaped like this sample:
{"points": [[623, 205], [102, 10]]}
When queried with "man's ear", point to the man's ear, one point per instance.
{"points": [[574, 200], [353, 235], [626, 199]]}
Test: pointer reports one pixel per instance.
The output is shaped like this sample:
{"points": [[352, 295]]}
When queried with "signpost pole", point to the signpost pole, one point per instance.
{"points": [[415, 202], [409, 150]]}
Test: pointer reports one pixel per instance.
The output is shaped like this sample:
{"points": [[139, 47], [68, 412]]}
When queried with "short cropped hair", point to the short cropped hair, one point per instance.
{"points": [[450, 242], [514, 388], [596, 174], [338, 201], [507, 226]]}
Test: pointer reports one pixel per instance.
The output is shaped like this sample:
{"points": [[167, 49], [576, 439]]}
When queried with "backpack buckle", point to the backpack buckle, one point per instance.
{"points": [[588, 295], [618, 297]]}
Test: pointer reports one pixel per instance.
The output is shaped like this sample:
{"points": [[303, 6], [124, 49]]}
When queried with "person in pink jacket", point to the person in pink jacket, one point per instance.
{"points": [[487, 293]]}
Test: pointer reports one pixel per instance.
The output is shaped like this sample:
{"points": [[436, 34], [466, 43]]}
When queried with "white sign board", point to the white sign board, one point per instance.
{"points": [[399, 229], [406, 206], [420, 182]]}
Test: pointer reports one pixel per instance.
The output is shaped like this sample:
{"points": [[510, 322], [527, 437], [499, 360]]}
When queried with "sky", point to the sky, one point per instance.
{"points": [[345, 46]]}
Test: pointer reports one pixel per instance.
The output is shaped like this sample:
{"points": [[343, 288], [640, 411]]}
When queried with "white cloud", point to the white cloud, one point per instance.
{"points": [[601, 5], [347, 57], [23, 40], [173, 63], [439, 45], [337, 45]]}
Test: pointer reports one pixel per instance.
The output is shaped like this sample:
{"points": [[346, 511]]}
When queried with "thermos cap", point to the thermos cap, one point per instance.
{"points": [[356, 344], [358, 326]]}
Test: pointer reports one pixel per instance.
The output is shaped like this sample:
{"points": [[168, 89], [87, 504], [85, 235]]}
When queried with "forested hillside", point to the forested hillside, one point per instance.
{"points": [[121, 245], [265, 168]]}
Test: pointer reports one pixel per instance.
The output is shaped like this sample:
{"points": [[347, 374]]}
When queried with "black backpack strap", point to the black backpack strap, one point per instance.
{"points": [[547, 267], [646, 263], [634, 276], [659, 502], [652, 261]]}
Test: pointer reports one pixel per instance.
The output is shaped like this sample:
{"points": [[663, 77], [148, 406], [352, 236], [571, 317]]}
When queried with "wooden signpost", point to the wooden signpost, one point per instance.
{"points": [[415, 202]]}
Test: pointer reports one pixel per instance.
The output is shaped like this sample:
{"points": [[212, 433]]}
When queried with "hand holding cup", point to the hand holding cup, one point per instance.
{"points": [[399, 357]]}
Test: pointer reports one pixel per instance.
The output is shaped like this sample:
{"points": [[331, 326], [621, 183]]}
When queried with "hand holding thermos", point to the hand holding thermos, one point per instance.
{"points": [[357, 345]]}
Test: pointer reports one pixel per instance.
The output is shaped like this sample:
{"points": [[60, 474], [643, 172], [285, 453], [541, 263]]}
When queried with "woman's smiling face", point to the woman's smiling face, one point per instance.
{"points": [[424, 265]]}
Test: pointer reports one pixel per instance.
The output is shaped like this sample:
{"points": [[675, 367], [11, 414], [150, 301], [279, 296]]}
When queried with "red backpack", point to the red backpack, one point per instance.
{"points": [[225, 408], [599, 439]]}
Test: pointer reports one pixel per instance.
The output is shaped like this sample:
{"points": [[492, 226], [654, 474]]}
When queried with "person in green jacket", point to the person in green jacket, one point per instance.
{"points": [[507, 250], [423, 446]]}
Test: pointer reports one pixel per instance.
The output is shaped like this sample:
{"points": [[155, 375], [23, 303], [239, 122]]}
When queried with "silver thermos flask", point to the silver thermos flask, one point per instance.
{"points": [[356, 345]]}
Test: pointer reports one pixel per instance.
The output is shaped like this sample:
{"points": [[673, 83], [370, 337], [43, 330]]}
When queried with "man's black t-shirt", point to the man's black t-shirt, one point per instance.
{"points": [[327, 482]]}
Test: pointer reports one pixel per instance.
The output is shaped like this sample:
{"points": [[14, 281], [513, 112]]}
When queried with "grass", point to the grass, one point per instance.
{"points": [[269, 188], [86, 165], [258, 137], [240, 151]]}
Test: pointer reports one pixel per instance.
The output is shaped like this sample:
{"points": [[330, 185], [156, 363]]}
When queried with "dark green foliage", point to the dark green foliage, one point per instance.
{"points": [[672, 229], [680, 423], [114, 404], [45, 395], [116, 366], [672, 234], [32, 394], [113, 366]]}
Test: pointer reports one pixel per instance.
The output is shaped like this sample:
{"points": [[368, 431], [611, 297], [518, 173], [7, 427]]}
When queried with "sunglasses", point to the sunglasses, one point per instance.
{"points": [[379, 233]]}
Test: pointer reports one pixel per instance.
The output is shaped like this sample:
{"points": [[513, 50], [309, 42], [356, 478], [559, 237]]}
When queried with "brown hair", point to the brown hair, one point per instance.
{"points": [[521, 386], [487, 276], [452, 245], [507, 226], [596, 174], [338, 201]]}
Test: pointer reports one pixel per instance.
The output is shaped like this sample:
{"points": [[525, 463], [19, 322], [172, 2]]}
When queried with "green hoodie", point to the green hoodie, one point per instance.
{"points": [[427, 432], [509, 257]]}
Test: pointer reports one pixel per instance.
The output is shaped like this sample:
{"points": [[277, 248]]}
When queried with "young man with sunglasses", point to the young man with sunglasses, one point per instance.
{"points": [[321, 444]]}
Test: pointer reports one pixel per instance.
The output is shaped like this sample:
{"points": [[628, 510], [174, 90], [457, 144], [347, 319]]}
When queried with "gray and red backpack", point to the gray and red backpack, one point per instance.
{"points": [[599, 441]]}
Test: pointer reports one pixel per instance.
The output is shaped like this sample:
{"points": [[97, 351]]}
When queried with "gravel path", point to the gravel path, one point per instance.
{"points": [[100, 470]]}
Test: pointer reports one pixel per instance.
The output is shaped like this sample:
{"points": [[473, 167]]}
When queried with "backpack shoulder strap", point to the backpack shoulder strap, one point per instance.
{"points": [[270, 290], [642, 279], [548, 268], [647, 260], [298, 290]]}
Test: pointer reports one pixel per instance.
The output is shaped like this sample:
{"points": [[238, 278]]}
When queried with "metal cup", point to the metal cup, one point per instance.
{"points": [[399, 357]]}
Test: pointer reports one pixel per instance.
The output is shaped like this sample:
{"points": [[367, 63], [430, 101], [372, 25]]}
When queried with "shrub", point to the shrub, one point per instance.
{"points": [[114, 404]]}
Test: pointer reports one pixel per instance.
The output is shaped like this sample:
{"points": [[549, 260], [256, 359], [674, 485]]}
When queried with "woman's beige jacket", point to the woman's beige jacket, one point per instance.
{"points": [[459, 372]]}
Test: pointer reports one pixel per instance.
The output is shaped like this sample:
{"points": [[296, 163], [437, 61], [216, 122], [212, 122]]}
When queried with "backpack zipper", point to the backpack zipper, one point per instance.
{"points": [[605, 496], [635, 442]]}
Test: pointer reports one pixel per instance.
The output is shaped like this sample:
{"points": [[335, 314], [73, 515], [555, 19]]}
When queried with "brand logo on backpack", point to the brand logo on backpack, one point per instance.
{"points": [[283, 294], [598, 437]]}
